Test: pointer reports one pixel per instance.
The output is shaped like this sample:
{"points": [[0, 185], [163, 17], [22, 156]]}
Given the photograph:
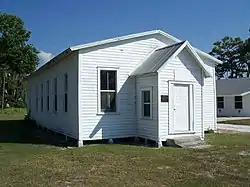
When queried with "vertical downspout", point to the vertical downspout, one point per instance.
{"points": [[159, 142], [135, 105], [80, 141], [202, 105], [215, 98]]}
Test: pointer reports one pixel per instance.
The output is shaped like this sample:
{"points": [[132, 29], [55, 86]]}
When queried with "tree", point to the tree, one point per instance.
{"points": [[245, 55], [228, 51], [17, 57]]}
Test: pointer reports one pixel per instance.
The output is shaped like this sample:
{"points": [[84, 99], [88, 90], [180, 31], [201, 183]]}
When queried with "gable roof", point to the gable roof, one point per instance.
{"points": [[138, 35], [233, 87], [159, 57], [72, 49]]}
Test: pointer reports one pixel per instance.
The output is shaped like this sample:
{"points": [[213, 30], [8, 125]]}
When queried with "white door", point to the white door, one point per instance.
{"points": [[181, 108]]}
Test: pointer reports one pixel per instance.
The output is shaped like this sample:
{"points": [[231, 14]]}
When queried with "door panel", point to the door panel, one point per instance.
{"points": [[181, 107]]}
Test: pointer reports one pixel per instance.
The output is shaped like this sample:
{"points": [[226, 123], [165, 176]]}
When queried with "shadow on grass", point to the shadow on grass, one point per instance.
{"points": [[26, 132]]}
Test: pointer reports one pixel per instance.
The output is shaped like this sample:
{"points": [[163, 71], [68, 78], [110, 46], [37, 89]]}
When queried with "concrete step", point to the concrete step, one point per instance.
{"points": [[186, 142]]}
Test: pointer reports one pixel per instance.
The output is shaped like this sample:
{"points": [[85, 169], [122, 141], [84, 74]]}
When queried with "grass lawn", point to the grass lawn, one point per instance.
{"points": [[27, 161], [237, 122]]}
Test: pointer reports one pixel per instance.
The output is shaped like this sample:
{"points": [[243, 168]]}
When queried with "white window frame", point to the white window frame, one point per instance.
{"points": [[150, 89], [99, 69]]}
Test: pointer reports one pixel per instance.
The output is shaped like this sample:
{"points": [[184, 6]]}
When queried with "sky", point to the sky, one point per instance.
{"points": [[59, 24]]}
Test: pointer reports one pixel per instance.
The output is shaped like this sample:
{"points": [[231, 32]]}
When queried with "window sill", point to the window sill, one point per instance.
{"points": [[107, 113], [146, 118]]}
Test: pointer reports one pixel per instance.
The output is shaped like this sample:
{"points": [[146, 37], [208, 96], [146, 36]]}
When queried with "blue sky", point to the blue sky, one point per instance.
{"points": [[58, 24]]}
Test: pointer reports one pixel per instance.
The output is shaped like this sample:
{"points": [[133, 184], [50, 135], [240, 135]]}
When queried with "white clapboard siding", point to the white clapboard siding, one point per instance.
{"points": [[182, 68], [147, 128], [125, 56], [230, 110], [60, 121], [209, 97]]}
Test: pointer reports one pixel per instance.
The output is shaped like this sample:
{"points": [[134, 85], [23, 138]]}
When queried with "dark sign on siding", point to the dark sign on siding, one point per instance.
{"points": [[164, 98]]}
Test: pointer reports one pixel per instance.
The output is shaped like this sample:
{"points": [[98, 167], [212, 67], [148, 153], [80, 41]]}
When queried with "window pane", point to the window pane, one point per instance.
{"points": [[108, 102], [220, 104], [65, 102], [220, 98], [146, 96], [42, 104], [48, 102], [55, 103], [55, 86], [238, 98], [66, 82], [41, 89], [47, 87], [146, 110], [41, 97], [238, 105], [108, 80], [103, 80], [111, 80]]}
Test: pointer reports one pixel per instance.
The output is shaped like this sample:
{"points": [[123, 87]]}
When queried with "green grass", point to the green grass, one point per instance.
{"points": [[237, 122], [27, 161], [16, 112]]}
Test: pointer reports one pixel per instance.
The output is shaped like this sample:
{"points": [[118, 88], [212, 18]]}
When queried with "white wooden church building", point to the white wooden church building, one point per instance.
{"points": [[149, 85]]}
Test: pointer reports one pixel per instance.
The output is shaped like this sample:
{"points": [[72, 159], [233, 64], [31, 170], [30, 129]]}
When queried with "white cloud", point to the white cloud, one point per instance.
{"points": [[44, 57]]}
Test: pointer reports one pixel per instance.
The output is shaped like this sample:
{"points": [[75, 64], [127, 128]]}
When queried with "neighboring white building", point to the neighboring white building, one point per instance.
{"points": [[148, 85], [233, 97]]}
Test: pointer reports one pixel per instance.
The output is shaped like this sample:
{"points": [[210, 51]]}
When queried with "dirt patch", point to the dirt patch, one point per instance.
{"points": [[244, 153], [206, 174], [163, 167]]}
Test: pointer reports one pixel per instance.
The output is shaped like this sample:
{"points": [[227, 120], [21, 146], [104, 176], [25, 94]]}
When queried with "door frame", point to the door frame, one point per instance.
{"points": [[191, 107]]}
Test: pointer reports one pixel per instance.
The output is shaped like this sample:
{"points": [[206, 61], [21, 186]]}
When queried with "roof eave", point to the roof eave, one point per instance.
{"points": [[197, 50], [122, 38], [116, 39], [198, 59], [233, 95], [207, 73], [245, 93], [51, 62]]}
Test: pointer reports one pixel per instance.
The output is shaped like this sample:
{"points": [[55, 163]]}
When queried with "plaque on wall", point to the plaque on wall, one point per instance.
{"points": [[164, 98]]}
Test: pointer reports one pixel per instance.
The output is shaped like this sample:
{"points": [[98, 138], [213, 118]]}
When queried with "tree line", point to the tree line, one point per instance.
{"points": [[18, 58], [235, 55]]}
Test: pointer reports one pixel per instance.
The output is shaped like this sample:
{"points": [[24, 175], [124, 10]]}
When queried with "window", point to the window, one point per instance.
{"points": [[55, 94], [47, 95], [146, 103], [238, 102], [220, 102], [37, 98], [107, 90], [41, 97], [66, 92]]}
